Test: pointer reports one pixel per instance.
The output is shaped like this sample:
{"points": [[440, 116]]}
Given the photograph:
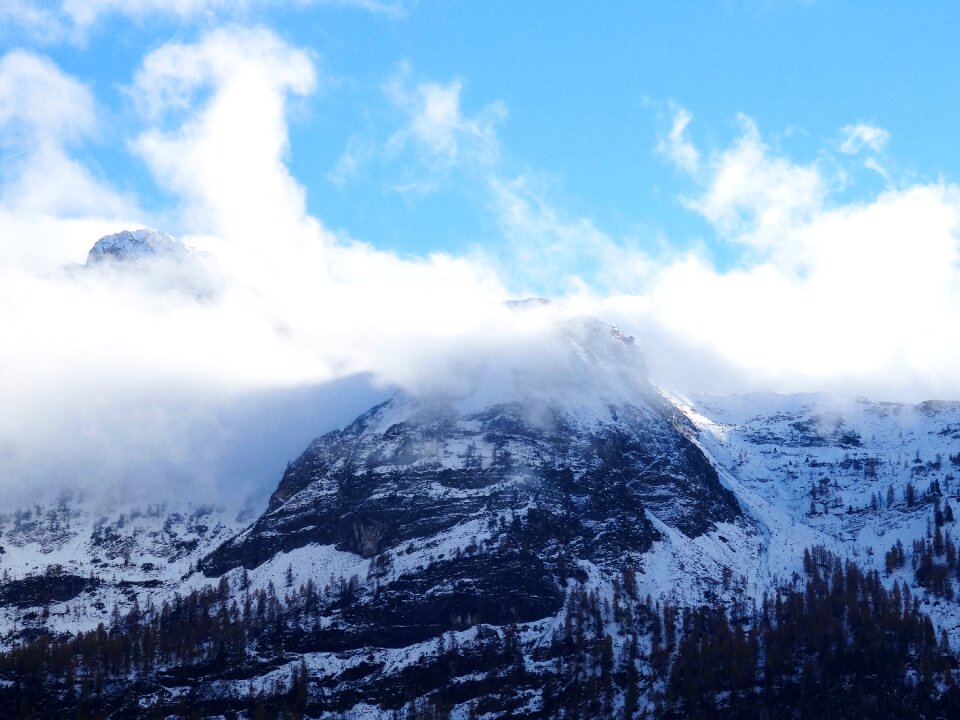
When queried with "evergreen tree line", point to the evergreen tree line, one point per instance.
{"points": [[204, 632], [833, 643], [836, 643]]}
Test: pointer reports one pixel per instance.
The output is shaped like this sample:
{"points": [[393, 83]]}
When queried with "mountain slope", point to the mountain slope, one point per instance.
{"points": [[859, 476], [482, 515], [536, 532]]}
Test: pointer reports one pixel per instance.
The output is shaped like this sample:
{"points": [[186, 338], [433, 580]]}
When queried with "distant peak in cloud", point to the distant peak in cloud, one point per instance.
{"points": [[127, 246], [147, 262]]}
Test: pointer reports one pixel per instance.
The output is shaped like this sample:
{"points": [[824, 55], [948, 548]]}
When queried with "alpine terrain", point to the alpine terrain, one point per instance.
{"points": [[547, 534]]}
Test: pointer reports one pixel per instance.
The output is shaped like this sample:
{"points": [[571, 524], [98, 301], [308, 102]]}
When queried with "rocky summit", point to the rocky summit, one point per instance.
{"points": [[484, 515], [130, 246]]}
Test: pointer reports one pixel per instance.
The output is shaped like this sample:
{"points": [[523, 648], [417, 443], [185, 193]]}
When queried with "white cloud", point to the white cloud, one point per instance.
{"points": [[862, 136], [541, 248], [548, 251], [753, 197], [226, 159], [355, 156], [676, 147], [72, 19], [42, 113], [856, 298], [39, 104], [873, 164], [442, 135], [125, 382]]}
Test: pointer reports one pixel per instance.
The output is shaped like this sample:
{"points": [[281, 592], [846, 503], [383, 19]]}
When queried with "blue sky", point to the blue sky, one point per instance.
{"points": [[763, 193], [585, 92]]}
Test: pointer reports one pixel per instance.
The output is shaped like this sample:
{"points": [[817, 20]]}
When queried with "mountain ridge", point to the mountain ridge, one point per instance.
{"points": [[535, 531]]}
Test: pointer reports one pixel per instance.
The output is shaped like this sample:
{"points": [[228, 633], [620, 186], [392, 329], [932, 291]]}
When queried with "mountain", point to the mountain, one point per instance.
{"points": [[131, 246], [862, 475], [152, 261], [472, 515], [538, 532]]}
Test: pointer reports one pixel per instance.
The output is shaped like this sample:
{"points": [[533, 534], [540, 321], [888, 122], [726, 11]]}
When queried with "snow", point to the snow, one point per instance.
{"points": [[131, 551], [132, 245], [772, 449], [775, 453]]}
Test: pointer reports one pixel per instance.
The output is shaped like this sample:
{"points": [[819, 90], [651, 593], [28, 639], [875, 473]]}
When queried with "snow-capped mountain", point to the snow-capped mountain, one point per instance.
{"points": [[456, 514], [69, 566], [131, 246], [152, 261], [496, 515], [530, 538], [596, 453], [861, 475]]}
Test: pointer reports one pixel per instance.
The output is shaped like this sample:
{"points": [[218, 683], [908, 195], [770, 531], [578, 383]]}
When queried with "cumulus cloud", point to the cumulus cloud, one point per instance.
{"points": [[131, 379], [856, 298], [226, 158]]}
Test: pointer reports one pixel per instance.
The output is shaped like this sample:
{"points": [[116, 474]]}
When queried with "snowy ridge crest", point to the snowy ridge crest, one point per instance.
{"points": [[133, 245]]}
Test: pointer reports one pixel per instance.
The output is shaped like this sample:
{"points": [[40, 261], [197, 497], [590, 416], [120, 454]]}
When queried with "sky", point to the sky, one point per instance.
{"points": [[763, 192]]}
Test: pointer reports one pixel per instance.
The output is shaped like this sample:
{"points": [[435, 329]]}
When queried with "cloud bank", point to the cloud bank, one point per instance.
{"points": [[848, 297], [126, 381], [107, 365]]}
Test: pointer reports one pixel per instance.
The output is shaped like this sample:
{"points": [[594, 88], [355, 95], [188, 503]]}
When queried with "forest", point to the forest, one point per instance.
{"points": [[832, 643]]}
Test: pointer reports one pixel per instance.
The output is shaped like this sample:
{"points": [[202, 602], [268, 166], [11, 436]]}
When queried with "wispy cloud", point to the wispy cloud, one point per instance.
{"points": [[360, 150], [541, 248], [752, 196], [72, 20], [438, 131], [675, 146], [553, 251], [863, 137], [43, 114]]}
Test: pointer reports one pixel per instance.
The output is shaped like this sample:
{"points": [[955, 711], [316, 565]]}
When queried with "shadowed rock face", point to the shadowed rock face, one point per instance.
{"points": [[37, 591], [369, 488], [511, 497]]}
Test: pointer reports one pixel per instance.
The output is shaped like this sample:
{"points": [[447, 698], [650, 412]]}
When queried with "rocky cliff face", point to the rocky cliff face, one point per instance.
{"points": [[481, 514]]}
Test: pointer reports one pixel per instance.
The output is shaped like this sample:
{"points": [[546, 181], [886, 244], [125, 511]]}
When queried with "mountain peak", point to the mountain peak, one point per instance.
{"points": [[129, 246], [579, 366]]}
